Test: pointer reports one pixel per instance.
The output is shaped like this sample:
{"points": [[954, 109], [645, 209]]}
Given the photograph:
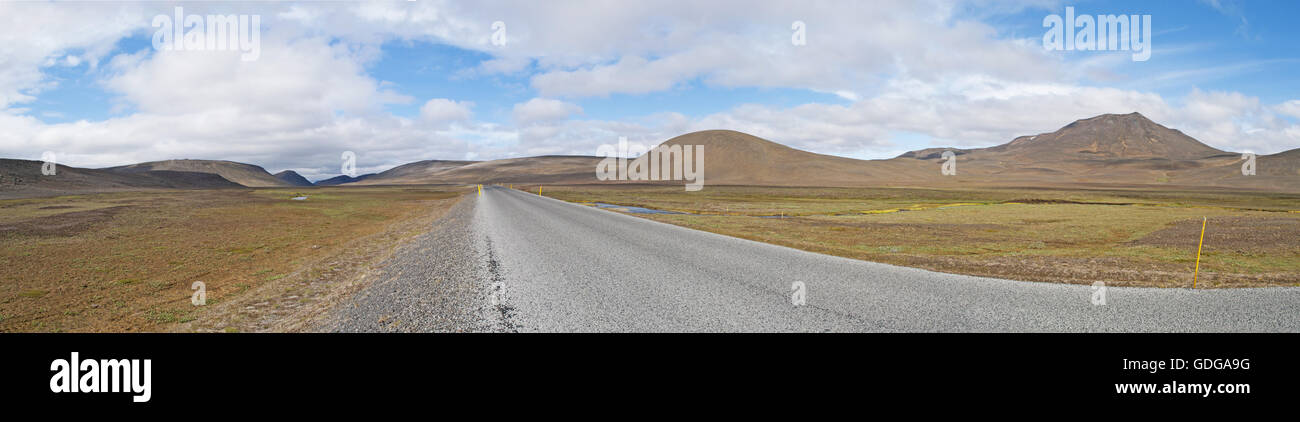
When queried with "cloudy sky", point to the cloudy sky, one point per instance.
{"points": [[400, 81]]}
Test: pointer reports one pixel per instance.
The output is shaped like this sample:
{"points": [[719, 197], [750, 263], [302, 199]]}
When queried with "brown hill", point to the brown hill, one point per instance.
{"points": [[427, 171], [1276, 172], [1111, 137], [23, 178], [1282, 164], [244, 174], [731, 158], [736, 158], [1111, 149], [293, 178], [420, 169]]}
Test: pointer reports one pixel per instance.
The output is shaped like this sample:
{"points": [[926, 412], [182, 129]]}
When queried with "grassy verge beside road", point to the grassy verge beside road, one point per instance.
{"points": [[1122, 237], [126, 261]]}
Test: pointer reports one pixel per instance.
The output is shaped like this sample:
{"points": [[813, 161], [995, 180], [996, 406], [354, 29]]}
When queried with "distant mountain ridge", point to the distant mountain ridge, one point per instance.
{"points": [[1114, 136], [23, 178], [543, 169], [737, 158], [1108, 136], [1122, 150], [421, 169], [1113, 149], [1116, 150], [243, 174], [342, 179]]}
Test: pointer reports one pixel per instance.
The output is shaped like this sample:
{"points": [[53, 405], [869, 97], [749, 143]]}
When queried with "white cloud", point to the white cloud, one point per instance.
{"points": [[442, 111], [1236, 122], [630, 75], [305, 76], [1290, 108], [748, 44], [543, 110], [34, 36]]}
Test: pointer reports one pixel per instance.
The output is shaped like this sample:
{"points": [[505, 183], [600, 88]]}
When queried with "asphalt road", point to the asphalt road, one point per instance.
{"points": [[556, 266]]}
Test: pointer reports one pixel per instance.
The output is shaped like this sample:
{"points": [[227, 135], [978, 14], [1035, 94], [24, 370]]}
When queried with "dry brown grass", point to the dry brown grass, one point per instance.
{"points": [[126, 261]]}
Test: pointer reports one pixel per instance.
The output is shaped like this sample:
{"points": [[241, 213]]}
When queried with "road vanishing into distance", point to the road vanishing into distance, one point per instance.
{"points": [[514, 261]]}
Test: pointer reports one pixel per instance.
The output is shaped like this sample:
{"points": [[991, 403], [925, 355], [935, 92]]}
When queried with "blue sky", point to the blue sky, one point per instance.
{"points": [[429, 70], [399, 81], [1247, 47]]}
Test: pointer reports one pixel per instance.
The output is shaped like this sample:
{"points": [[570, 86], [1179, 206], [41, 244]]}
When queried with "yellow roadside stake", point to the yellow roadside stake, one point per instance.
{"points": [[1197, 273], [539, 191], [480, 190]]}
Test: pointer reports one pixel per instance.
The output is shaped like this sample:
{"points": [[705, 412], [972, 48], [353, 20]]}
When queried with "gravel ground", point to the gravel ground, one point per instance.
{"points": [[439, 282]]}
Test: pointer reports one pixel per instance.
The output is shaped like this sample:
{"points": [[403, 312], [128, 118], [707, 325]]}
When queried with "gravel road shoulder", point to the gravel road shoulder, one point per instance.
{"points": [[439, 282]]}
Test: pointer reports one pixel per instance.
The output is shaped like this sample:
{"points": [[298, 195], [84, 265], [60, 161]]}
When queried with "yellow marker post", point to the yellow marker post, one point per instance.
{"points": [[539, 191], [480, 190], [1197, 273]]}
